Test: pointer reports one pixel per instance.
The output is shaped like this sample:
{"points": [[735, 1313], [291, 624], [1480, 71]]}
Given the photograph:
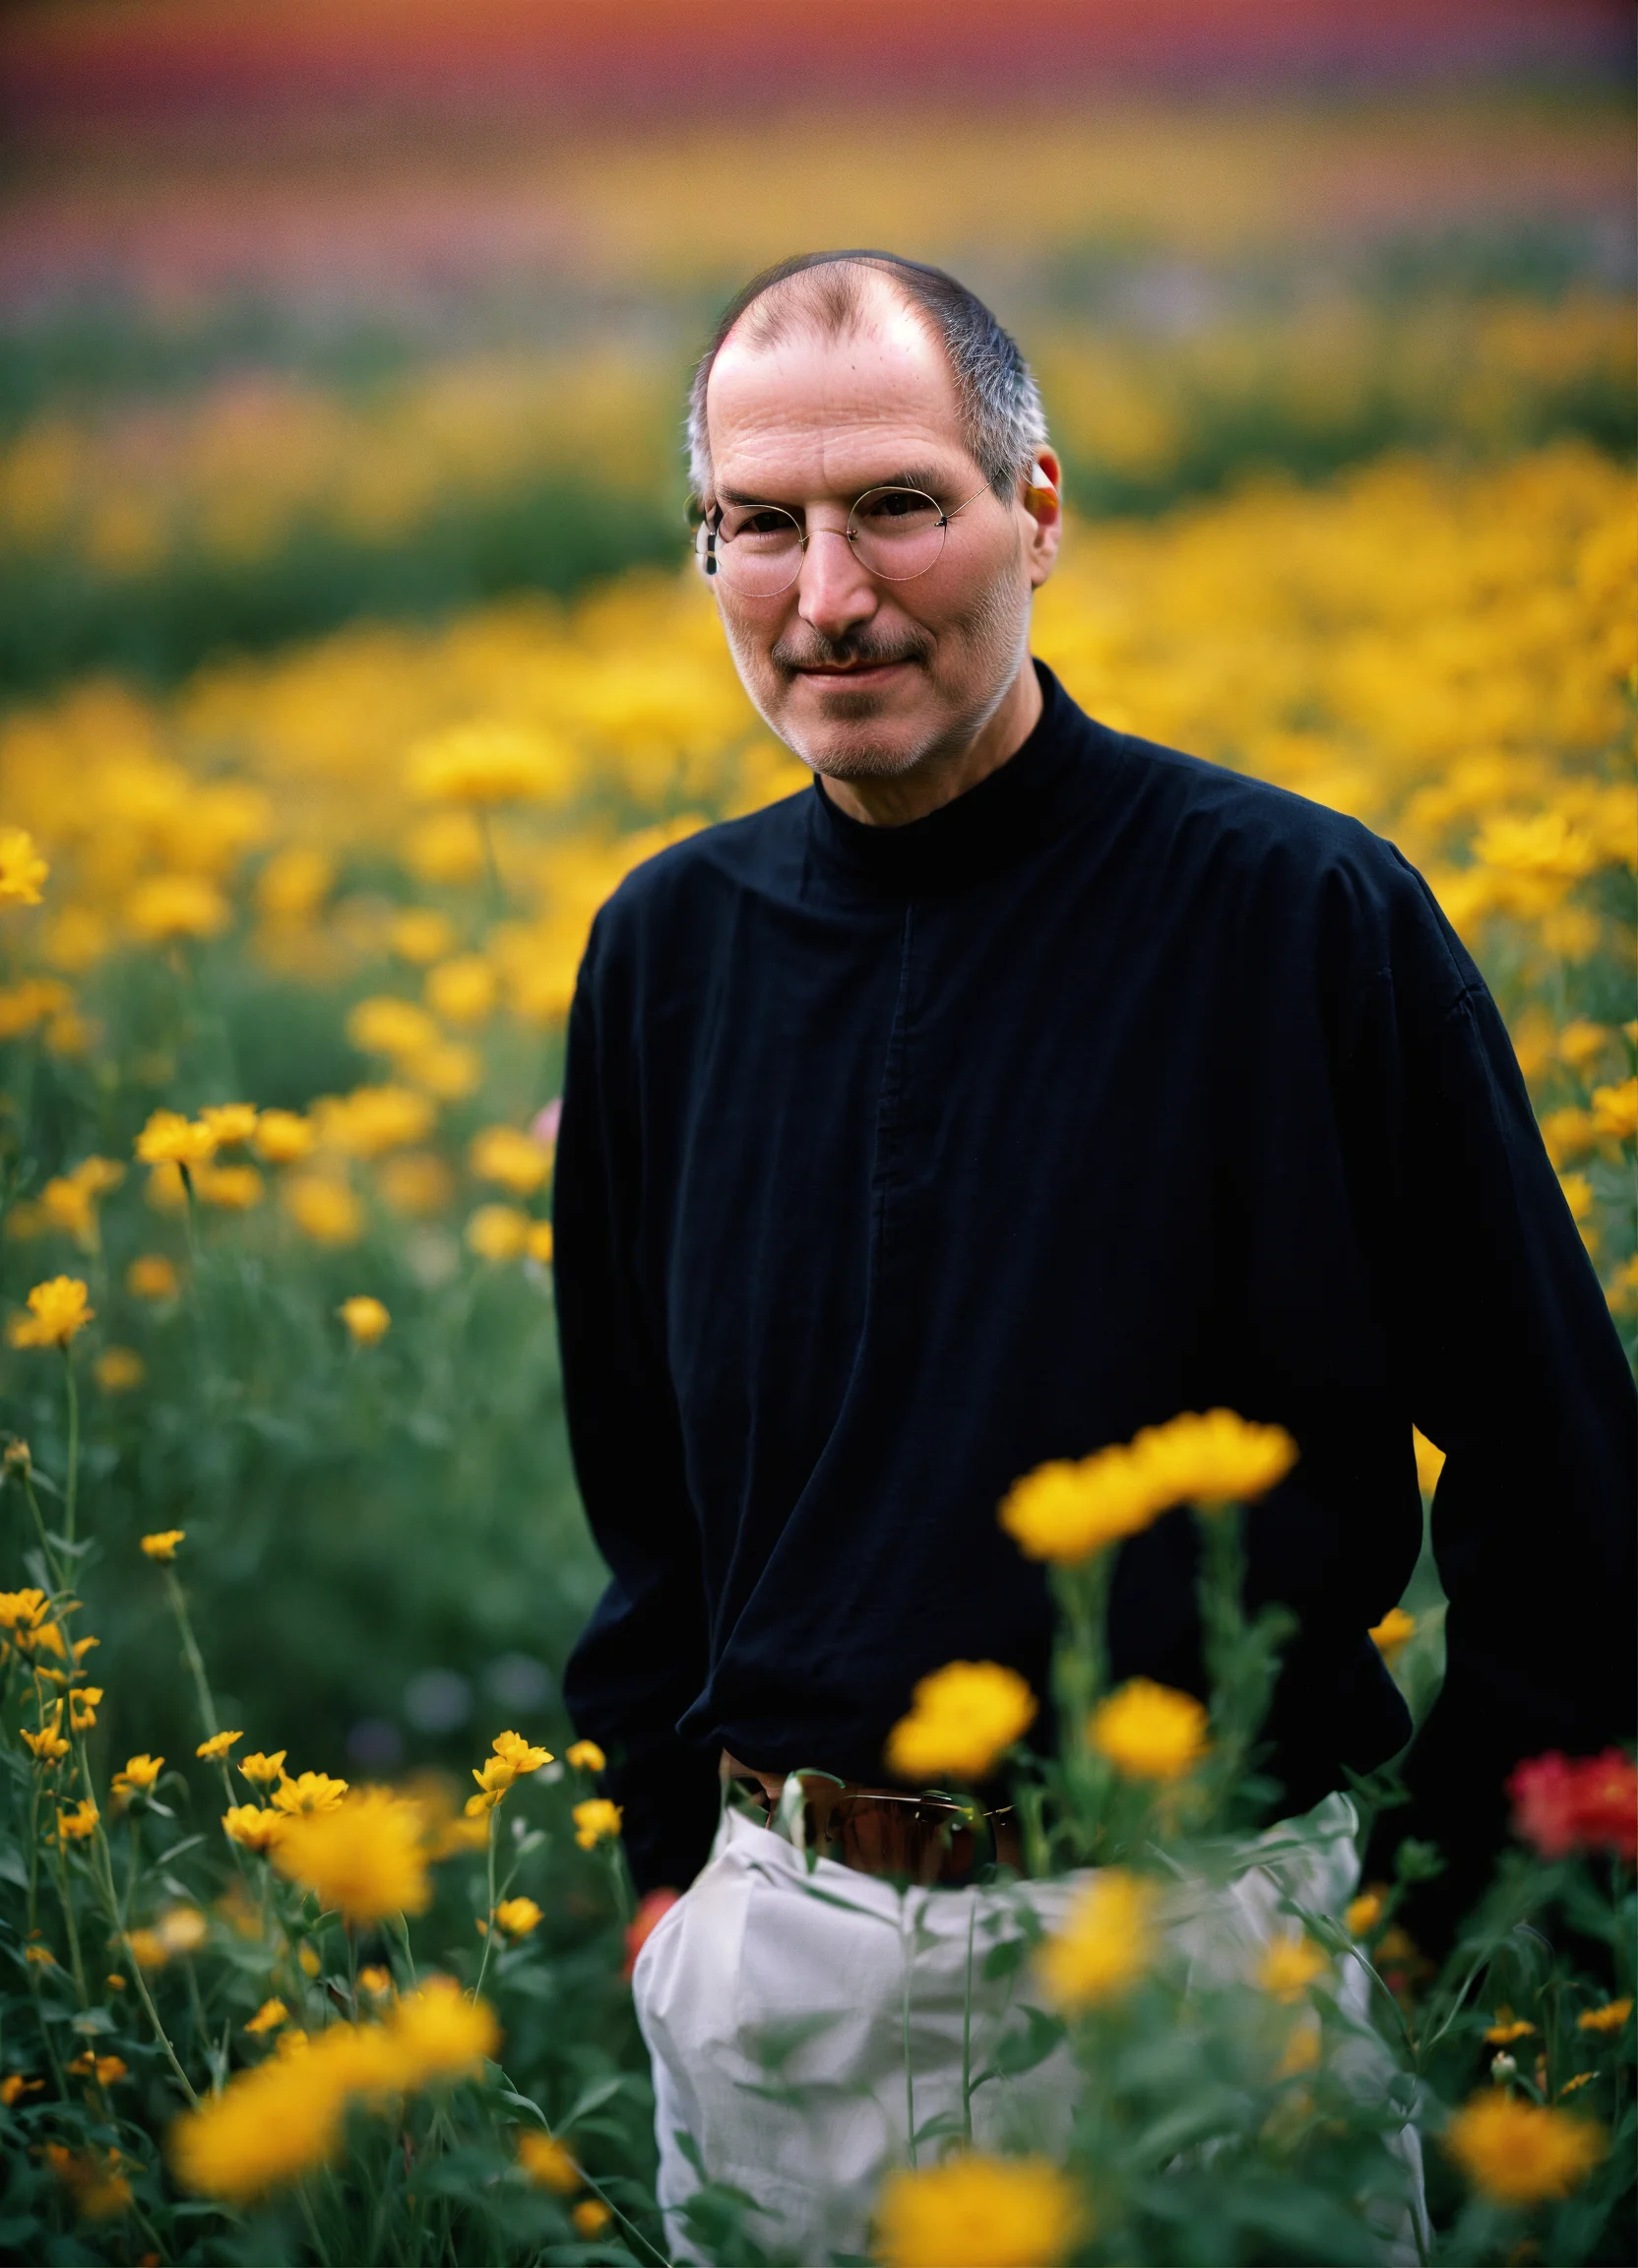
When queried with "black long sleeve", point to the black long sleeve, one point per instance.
{"points": [[894, 1160], [643, 1657]]}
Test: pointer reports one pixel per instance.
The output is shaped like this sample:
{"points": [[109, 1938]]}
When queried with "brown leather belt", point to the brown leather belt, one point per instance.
{"points": [[924, 1840]]}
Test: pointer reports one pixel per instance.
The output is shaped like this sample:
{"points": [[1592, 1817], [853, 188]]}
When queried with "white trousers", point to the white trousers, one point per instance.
{"points": [[804, 2021]]}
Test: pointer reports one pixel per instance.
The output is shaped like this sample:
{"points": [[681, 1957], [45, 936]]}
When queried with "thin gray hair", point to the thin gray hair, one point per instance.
{"points": [[1003, 422]]}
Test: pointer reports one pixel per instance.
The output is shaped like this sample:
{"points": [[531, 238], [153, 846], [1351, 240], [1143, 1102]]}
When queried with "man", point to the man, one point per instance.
{"points": [[1022, 1084]]}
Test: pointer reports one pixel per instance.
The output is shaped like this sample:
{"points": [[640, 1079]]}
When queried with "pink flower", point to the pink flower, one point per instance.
{"points": [[543, 1125], [1566, 1803]]}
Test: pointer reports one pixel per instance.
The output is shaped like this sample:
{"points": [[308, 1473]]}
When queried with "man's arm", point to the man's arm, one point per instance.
{"points": [[1514, 1368], [642, 1657]]}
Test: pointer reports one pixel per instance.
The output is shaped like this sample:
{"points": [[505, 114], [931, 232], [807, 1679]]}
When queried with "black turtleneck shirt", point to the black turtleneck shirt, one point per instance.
{"points": [[896, 1159]]}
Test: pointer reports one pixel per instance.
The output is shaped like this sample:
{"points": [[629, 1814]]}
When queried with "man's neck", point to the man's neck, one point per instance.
{"points": [[940, 777]]}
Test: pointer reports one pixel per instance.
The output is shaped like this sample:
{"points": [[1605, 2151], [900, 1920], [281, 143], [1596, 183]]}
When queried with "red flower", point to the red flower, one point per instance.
{"points": [[1565, 1803], [641, 1928]]}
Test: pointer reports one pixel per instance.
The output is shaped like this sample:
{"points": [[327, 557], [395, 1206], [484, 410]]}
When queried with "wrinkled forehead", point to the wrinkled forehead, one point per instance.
{"points": [[799, 406]]}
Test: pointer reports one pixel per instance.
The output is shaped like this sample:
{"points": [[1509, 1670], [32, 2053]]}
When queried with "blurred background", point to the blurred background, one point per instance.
{"points": [[343, 351]]}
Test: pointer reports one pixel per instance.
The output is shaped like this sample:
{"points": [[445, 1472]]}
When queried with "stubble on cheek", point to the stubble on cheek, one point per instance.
{"points": [[961, 674]]}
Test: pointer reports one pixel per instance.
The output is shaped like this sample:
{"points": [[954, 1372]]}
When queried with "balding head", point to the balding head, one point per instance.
{"points": [[836, 293]]}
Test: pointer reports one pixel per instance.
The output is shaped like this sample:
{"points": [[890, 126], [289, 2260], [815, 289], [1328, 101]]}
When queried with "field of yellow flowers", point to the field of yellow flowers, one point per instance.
{"points": [[309, 1946]]}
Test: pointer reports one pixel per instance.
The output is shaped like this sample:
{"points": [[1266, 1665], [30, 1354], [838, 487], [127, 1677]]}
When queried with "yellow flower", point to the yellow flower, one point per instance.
{"points": [[1219, 1458], [509, 1157], [1105, 1942], [139, 1775], [1568, 1133], [462, 990], [1066, 1510], [1616, 1111], [546, 2163], [1149, 1732], [117, 1369], [80, 1824], [367, 1319], [323, 1208], [385, 1025], [596, 1821], [518, 1915], [1290, 1966], [268, 2125], [1394, 1630], [372, 1120], [586, 1756], [48, 1745], [1518, 2154], [416, 1182], [283, 1137], [1582, 1042], [231, 1188], [269, 2017], [161, 1545], [150, 1276], [309, 1791], [253, 1828], [169, 1139], [484, 763], [22, 868], [1507, 2029], [181, 1930], [364, 1857], [540, 1243], [591, 2218], [104, 2069], [83, 1704], [218, 1745], [57, 1309], [176, 906], [439, 2035], [1363, 1914], [1610, 2018], [22, 1612], [520, 1754], [420, 935], [230, 1122], [15, 2086], [499, 1233], [961, 1720], [978, 2212], [262, 1771], [376, 1982], [98, 2188]]}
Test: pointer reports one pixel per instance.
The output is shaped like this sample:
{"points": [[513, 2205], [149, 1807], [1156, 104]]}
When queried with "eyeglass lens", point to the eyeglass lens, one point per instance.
{"points": [[896, 534]]}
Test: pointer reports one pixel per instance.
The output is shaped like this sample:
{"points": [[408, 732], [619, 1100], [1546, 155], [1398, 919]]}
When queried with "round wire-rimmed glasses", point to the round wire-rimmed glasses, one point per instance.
{"points": [[896, 534]]}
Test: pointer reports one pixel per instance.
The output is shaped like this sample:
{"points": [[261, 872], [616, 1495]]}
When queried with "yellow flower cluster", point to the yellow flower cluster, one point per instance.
{"points": [[979, 2212], [1149, 1732], [962, 1721], [1520, 2154], [1105, 1943], [1068, 1509], [512, 1758], [285, 2116]]}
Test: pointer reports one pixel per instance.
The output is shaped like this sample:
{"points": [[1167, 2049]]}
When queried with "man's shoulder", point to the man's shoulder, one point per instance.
{"points": [[1276, 865], [708, 868]]}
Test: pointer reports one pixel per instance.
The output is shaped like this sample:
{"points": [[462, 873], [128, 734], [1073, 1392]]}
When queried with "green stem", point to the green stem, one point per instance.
{"points": [[489, 1927], [193, 1658], [71, 1483], [59, 1581]]}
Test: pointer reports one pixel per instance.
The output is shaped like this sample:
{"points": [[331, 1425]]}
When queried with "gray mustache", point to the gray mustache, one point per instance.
{"points": [[839, 652]]}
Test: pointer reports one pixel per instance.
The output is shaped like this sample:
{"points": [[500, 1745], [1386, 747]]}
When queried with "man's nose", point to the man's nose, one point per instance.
{"points": [[834, 593]]}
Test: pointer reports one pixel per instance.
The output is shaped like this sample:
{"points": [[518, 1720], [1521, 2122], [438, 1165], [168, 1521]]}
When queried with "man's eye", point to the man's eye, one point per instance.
{"points": [[896, 508], [764, 524]]}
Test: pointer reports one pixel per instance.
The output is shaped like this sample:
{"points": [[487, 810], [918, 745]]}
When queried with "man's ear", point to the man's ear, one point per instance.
{"points": [[1040, 492]]}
